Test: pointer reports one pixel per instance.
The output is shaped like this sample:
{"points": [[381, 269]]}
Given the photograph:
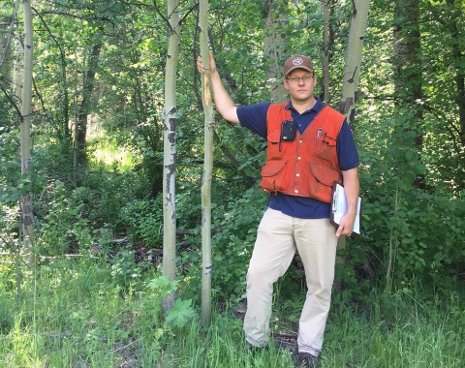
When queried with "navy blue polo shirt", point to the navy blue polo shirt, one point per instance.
{"points": [[254, 118]]}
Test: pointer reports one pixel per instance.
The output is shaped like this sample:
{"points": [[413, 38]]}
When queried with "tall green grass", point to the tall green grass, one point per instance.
{"points": [[77, 313], [414, 336]]}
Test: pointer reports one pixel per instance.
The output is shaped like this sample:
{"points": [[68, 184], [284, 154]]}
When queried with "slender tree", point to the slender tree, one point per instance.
{"points": [[328, 40], [353, 57], [169, 155], [207, 167], [80, 131], [27, 223], [13, 55], [276, 38]]}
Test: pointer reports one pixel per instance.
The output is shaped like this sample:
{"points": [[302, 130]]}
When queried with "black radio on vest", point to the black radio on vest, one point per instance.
{"points": [[288, 130]]}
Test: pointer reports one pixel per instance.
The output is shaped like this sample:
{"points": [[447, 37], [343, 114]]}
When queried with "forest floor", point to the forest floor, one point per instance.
{"points": [[85, 312]]}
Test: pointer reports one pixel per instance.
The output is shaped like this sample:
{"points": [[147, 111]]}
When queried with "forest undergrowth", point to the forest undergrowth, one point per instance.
{"points": [[88, 312]]}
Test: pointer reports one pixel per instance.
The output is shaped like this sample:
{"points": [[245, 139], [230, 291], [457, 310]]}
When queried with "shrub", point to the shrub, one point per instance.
{"points": [[63, 228], [144, 219]]}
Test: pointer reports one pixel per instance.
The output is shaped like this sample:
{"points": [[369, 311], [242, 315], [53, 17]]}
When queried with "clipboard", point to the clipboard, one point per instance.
{"points": [[339, 208]]}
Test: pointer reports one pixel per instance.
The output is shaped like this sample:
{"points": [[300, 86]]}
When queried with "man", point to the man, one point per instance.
{"points": [[310, 146]]}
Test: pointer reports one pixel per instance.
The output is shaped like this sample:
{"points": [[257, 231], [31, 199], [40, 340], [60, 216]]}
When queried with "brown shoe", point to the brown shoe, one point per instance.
{"points": [[307, 360]]}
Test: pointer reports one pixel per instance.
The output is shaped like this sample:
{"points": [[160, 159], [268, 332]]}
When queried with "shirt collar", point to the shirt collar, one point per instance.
{"points": [[316, 108]]}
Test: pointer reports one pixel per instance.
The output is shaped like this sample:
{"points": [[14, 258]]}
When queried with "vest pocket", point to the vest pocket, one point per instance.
{"points": [[325, 147], [274, 145], [324, 174], [271, 173]]}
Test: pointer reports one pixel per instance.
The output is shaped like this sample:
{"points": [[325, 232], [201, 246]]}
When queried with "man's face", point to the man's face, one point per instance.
{"points": [[300, 84]]}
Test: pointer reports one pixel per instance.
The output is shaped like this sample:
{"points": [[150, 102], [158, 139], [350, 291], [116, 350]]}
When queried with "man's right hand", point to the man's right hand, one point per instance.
{"points": [[201, 68], [224, 104]]}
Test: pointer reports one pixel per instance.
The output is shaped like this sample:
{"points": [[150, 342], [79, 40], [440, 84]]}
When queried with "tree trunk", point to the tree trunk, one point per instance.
{"points": [[276, 23], [27, 219], [207, 167], [169, 150], [353, 57], [328, 40], [88, 86], [65, 94]]}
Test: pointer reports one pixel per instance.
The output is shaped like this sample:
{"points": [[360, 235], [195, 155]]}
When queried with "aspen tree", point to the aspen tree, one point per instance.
{"points": [[328, 40], [27, 219], [276, 39], [207, 166], [11, 68], [353, 58], [169, 149]]}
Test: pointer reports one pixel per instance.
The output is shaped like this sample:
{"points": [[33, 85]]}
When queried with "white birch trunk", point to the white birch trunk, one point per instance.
{"points": [[169, 150], [207, 168], [353, 57], [27, 223]]}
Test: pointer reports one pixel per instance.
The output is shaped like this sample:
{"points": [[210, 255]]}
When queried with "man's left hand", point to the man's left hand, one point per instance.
{"points": [[346, 225]]}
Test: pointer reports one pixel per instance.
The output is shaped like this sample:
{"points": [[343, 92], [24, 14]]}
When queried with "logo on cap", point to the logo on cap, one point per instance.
{"points": [[297, 61]]}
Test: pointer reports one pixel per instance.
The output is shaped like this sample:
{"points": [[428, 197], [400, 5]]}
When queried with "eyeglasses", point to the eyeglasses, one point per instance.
{"points": [[298, 79]]}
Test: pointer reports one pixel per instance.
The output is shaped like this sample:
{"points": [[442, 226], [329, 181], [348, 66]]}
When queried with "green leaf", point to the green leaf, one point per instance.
{"points": [[181, 313]]}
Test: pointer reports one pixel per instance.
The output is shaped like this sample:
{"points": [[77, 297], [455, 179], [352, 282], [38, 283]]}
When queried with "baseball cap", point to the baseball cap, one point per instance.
{"points": [[298, 62]]}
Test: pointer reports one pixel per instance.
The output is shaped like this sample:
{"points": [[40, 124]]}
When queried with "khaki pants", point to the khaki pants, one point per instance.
{"points": [[278, 237]]}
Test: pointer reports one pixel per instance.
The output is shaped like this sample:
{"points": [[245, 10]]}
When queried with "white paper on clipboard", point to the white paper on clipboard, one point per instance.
{"points": [[339, 208]]}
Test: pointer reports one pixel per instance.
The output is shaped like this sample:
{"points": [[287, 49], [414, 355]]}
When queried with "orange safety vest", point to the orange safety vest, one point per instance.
{"points": [[307, 166]]}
